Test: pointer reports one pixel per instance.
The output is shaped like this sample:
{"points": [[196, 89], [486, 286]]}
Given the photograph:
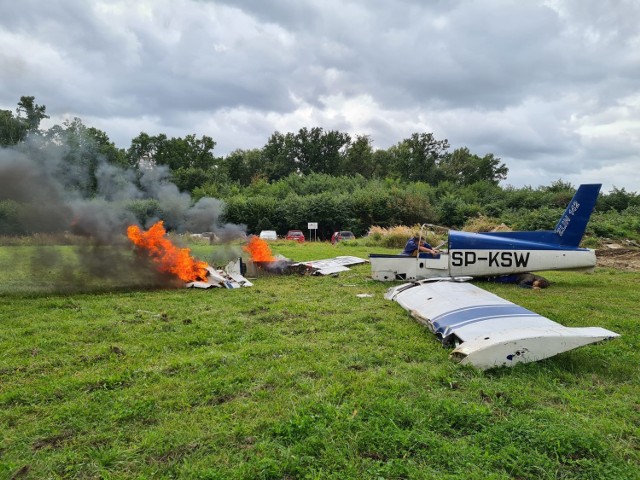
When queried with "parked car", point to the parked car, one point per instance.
{"points": [[342, 235], [268, 235], [296, 235]]}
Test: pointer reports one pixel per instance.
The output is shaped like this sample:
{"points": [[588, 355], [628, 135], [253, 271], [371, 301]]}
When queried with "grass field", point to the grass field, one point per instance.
{"points": [[298, 378]]}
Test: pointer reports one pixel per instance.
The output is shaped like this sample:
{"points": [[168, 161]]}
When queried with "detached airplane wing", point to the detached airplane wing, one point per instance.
{"points": [[487, 330]]}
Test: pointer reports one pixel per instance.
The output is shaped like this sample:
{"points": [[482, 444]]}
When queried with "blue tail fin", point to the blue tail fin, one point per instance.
{"points": [[572, 224]]}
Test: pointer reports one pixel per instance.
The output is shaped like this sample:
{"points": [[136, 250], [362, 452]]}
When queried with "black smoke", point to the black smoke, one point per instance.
{"points": [[43, 195]]}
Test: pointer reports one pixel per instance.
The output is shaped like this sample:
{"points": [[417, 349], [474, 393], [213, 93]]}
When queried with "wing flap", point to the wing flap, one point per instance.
{"points": [[487, 330]]}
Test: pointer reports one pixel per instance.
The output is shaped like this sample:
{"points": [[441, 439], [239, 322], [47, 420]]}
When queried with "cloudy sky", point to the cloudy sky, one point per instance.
{"points": [[550, 87]]}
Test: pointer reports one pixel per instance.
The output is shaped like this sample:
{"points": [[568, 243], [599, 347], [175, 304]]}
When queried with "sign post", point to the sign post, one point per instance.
{"points": [[313, 228]]}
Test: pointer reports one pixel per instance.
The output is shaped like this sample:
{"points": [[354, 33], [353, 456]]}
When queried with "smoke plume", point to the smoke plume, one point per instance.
{"points": [[44, 191]]}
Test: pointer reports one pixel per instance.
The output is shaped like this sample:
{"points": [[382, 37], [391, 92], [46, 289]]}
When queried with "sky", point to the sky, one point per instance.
{"points": [[549, 87]]}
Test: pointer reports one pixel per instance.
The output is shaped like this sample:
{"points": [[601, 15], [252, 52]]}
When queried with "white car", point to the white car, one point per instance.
{"points": [[268, 235]]}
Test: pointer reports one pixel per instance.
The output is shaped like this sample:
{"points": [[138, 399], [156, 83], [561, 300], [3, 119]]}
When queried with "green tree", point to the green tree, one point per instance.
{"points": [[279, 156], [416, 158], [107, 149], [32, 113], [464, 168], [82, 151], [144, 149], [29, 114], [382, 164], [358, 158], [189, 159], [187, 152], [12, 129], [242, 166], [319, 151], [618, 199]]}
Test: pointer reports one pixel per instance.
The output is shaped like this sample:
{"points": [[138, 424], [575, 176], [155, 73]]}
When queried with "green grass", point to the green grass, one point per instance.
{"points": [[297, 378]]}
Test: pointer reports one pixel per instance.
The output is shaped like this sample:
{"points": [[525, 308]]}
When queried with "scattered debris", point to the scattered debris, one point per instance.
{"points": [[229, 277], [284, 266], [364, 295], [330, 266]]}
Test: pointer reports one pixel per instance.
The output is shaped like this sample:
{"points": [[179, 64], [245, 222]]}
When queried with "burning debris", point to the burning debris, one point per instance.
{"points": [[58, 192], [264, 262], [179, 262], [259, 250], [176, 261], [230, 277], [168, 257]]}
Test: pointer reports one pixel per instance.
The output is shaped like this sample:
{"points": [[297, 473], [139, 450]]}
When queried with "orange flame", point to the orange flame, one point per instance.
{"points": [[259, 250], [170, 259]]}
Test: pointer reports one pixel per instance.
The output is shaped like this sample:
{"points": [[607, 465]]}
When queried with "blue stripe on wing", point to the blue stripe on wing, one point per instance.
{"points": [[445, 324]]}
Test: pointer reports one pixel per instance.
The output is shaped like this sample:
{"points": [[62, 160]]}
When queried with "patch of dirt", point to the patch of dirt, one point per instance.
{"points": [[622, 258]]}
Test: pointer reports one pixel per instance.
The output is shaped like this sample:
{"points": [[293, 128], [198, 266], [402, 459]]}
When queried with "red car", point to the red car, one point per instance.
{"points": [[296, 235]]}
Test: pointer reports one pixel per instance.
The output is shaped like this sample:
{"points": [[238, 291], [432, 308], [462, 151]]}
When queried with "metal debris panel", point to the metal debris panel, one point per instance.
{"points": [[329, 266], [229, 277]]}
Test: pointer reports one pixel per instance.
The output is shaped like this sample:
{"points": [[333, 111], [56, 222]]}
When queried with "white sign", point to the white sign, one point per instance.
{"points": [[312, 225]]}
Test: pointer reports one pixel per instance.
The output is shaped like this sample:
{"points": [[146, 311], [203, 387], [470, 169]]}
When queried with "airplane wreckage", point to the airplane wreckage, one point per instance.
{"points": [[486, 330], [232, 275]]}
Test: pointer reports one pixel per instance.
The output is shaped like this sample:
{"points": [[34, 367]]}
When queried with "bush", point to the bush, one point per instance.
{"points": [[614, 224]]}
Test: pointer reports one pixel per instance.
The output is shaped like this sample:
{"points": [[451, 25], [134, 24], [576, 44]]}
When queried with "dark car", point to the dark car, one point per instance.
{"points": [[296, 235], [342, 235]]}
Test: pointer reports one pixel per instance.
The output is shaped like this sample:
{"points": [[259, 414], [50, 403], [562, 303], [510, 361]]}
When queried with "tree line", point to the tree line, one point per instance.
{"points": [[310, 175]]}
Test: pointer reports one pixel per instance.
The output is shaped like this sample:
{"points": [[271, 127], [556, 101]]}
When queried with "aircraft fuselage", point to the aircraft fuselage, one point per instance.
{"points": [[478, 263]]}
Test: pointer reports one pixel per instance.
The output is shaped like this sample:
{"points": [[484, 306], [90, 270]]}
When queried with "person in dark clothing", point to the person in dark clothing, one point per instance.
{"points": [[523, 280], [414, 245]]}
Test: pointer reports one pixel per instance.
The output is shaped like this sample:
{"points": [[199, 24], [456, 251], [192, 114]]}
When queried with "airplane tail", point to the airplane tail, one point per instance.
{"points": [[573, 223]]}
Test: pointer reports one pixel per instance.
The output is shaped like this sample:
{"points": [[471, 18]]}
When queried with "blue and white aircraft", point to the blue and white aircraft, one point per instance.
{"points": [[487, 330]]}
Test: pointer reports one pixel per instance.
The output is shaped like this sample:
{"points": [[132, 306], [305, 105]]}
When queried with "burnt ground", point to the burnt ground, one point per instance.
{"points": [[622, 258]]}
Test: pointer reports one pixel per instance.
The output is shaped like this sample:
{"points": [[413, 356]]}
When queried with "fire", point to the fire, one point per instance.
{"points": [[259, 250], [170, 259]]}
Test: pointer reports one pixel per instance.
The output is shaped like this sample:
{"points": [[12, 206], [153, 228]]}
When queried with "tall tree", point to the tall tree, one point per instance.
{"points": [[187, 152], [358, 158], [144, 149], [12, 129], [31, 112], [107, 149], [279, 155], [241, 166], [416, 158], [464, 168], [320, 152], [80, 154], [189, 159]]}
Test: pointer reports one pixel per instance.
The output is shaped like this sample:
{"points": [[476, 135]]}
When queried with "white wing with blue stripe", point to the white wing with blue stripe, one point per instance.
{"points": [[487, 330]]}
